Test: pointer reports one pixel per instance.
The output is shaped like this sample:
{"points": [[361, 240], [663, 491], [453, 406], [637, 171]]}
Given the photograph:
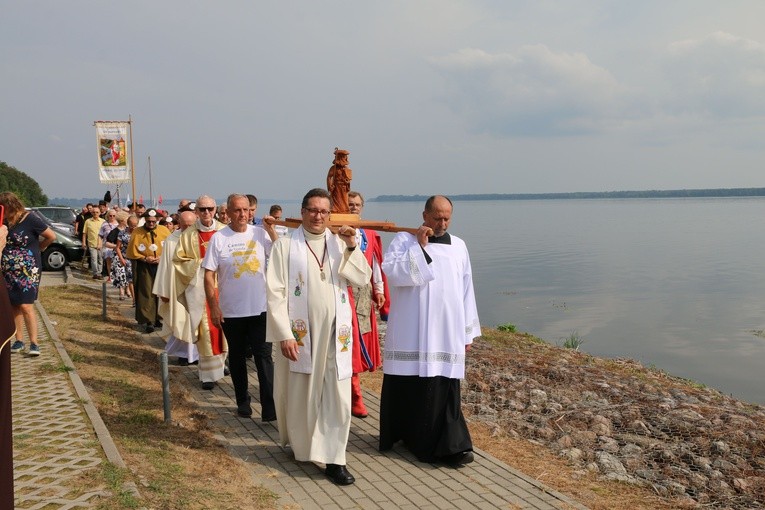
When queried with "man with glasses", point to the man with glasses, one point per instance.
{"points": [[145, 249], [190, 290], [310, 318], [90, 242]]}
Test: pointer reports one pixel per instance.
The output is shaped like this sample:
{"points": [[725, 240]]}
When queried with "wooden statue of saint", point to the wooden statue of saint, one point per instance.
{"points": [[339, 182]]}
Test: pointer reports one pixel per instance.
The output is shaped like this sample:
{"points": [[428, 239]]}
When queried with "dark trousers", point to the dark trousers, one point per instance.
{"points": [[146, 303], [250, 331], [424, 412]]}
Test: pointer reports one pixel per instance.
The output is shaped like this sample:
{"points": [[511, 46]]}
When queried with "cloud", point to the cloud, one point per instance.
{"points": [[721, 76], [531, 92]]}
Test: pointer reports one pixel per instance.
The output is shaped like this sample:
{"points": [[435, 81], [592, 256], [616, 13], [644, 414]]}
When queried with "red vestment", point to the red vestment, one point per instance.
{"points": [[366, 347], [216, 334]]}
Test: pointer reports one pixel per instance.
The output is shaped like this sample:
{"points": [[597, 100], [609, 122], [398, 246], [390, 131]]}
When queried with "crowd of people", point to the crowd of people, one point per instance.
{"points": [[224, 286]]}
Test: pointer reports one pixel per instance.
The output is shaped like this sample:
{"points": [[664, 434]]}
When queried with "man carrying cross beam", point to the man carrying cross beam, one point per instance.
{"points": [[310, 318]]}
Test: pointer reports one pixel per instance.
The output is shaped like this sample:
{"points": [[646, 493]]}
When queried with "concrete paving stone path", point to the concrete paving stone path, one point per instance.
{"points": [[55, 443], [393, 479]]}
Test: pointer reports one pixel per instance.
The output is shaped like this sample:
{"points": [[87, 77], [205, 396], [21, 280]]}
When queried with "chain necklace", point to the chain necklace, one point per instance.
{"points": [[323, 255]]}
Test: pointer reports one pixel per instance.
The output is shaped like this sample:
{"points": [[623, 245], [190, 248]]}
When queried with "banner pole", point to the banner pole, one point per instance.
{"points": [[132, 160]]}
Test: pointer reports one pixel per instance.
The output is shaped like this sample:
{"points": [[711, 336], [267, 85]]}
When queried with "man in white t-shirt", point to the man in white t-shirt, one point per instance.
{"points": [[237, 255]]}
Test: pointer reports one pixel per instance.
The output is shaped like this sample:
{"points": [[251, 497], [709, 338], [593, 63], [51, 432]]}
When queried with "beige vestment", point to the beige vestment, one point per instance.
{"points": [[175, 320], [313, 410]]}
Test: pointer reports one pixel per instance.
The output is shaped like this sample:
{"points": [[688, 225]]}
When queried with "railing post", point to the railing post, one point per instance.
{"points": [[165, 385], [103, 301]]}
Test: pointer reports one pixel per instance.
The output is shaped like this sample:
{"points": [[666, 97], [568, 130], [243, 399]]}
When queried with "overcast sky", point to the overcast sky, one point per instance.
{"points": [[428, 96]]}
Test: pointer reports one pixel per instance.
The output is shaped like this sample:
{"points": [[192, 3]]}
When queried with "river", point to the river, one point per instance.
{"points": [[678, 284]]}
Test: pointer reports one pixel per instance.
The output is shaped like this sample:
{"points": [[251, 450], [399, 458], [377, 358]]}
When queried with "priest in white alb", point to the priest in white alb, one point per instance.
{"points": [[309, 316], [176, 327], [432, 323]]}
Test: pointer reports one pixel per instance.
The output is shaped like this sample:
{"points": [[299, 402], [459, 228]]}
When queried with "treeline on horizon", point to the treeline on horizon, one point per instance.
{"points": [[681, 193], [675, 193]]}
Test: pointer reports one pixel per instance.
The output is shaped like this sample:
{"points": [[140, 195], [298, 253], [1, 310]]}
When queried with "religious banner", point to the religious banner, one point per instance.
{"points": [[113, 154]]}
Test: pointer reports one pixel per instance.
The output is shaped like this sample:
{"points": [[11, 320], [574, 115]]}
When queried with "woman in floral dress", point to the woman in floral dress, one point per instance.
{"points": [[122, 270], [21, 261]]}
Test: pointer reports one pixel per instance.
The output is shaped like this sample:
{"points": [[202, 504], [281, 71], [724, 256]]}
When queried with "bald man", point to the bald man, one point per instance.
{"points": [[175, 319], [432, 323]]}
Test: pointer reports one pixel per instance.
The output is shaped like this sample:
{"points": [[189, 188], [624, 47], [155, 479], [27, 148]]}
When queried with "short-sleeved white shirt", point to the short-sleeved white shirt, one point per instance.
{"points": [[239, 258]]}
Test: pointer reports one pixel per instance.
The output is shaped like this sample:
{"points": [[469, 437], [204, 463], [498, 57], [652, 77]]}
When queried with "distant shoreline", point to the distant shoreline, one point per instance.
{"points": [[678, 193], [579, 195]]}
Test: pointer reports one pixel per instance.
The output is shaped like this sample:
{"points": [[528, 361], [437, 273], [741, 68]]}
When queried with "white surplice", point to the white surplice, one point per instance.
{"points": [[176, 327], [433, 314], [313, 410]]}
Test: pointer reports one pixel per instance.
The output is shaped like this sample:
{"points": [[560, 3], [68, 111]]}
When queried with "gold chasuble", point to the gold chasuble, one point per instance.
{"points": [[190, 287]]}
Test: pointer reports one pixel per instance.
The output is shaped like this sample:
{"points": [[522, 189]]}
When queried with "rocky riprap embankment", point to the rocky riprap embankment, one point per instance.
{"points": [[621, 420]]}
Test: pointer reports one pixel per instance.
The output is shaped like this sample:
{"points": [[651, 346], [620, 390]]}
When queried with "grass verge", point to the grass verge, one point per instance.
{"points": [[174, 466]]}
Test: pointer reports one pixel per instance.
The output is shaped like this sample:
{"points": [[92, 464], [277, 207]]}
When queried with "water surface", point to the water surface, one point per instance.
{"points": [[675, 283]]}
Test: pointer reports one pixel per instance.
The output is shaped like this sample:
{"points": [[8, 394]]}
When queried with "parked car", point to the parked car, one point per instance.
{"points": [[64, 228], [58, 214], [62, 250]]}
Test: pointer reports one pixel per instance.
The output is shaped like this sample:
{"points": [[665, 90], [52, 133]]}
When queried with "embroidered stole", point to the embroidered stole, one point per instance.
{"points": [[298, 306], [192, 249]]}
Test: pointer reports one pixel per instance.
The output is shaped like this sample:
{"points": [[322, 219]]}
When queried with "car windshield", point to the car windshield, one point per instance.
{"points": [[42, 217]]}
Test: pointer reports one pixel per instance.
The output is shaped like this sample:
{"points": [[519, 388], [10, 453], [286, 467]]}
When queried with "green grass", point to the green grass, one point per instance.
{"points": [[61, 367], [508, 328], [573, 341], [115, 478]]}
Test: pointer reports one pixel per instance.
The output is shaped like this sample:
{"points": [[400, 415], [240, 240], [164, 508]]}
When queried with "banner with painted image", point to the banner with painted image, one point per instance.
{"points": [[113, 151]]}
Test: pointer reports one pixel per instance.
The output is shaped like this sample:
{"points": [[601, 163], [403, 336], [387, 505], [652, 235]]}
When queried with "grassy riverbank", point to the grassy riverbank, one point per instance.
{"points": [[175, 466], [610, 433]]}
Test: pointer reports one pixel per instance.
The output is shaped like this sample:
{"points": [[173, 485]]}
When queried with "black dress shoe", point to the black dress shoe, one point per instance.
{"points": [[244, 410], [269, 417], [339, 474], [226, 371], [183, 362], [208, 385], [149, 328], [459, 459]]}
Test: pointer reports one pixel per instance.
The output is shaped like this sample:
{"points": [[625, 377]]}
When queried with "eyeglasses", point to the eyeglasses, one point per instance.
{"points": [[316, 212], [205, 209]]}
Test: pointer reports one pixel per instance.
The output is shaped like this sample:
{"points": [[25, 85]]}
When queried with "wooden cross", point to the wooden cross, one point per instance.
{"points": [[352, 220]]}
